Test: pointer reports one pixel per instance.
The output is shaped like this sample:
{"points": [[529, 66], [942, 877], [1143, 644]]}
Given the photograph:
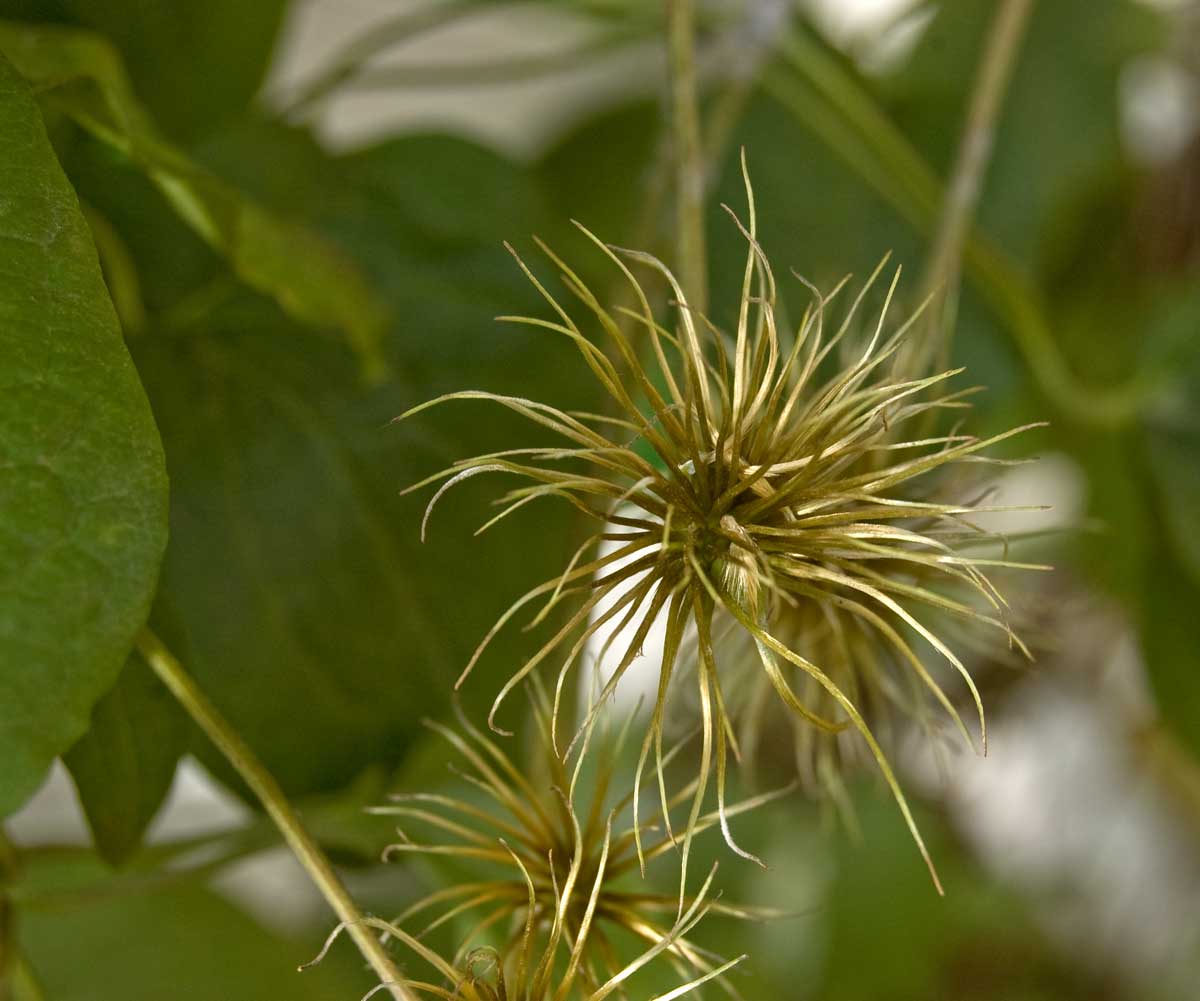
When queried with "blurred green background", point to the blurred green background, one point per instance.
{"points": [[299, 209]]}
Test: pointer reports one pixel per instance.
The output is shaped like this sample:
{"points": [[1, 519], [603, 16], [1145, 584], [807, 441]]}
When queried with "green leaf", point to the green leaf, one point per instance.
{"points": [[304, 625], [814, 215], [315, 619], [1170, 636], [83, 492], [892, 937], [1174, 458], [81, 75], [1118, 304], [124, 764], [578, 172], [1170, 628], [196, 61], [179, 942]]}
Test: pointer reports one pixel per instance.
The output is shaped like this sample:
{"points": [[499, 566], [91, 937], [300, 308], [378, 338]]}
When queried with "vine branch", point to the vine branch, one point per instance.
{"points": [[263, 785], [688, 152], [966, 178], [826, 98]]}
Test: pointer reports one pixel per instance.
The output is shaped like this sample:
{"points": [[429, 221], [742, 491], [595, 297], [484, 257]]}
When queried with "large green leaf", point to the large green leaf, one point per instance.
{"points": [[124, 764], [81, 75], [303, 622], [314, 617], [83, 490]]}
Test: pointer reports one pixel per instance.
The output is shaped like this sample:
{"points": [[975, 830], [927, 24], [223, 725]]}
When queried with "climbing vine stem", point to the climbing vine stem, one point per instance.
{"points": [[826, 98], [966, 180], [692, 258], [181, 684]]}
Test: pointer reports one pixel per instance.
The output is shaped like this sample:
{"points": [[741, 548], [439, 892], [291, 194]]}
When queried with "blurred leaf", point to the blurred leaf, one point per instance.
{"points": [[1114, 557], [1170, 638], [83, 496], [1170, 626], [184, 942], [1120, 305], [603, 172], [814, 215], [303, 623], [81, 75], [1115, 309], [314, 617], [893, 937], [1142, 489], [124, 764], [171, 263], [452, 195], [197, 62], [1174, 457], [340, 822]]}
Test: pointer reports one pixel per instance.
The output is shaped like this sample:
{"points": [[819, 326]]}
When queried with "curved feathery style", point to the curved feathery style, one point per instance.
{"points": [[554, 889], [779, 477], [868, 659]]}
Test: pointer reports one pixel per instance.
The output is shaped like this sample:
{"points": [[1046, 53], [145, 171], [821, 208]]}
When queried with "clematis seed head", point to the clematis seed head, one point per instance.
{"points": [[745, 478]]}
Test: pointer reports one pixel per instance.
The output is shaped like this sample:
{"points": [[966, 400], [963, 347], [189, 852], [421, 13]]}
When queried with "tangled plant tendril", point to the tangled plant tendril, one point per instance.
{"points": [[781, 483]]}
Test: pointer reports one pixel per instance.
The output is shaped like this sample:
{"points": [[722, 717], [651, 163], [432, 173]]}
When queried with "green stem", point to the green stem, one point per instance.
{"points": [[692, 257], [966, 178], [824, 97], [264, 786]]}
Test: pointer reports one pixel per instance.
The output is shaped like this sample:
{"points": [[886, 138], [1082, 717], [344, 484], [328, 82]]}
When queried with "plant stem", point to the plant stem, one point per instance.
{"points": [[966, 179], [692, 257], [263, 785], [827, 99]]}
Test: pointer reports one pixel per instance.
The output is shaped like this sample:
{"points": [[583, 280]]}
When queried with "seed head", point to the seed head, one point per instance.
{"points": [[779, 480], [557, 878]]}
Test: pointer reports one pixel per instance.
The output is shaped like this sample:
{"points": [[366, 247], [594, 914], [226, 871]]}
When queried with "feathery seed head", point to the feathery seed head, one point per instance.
{"points": [[557, 873], [782, 483]]}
